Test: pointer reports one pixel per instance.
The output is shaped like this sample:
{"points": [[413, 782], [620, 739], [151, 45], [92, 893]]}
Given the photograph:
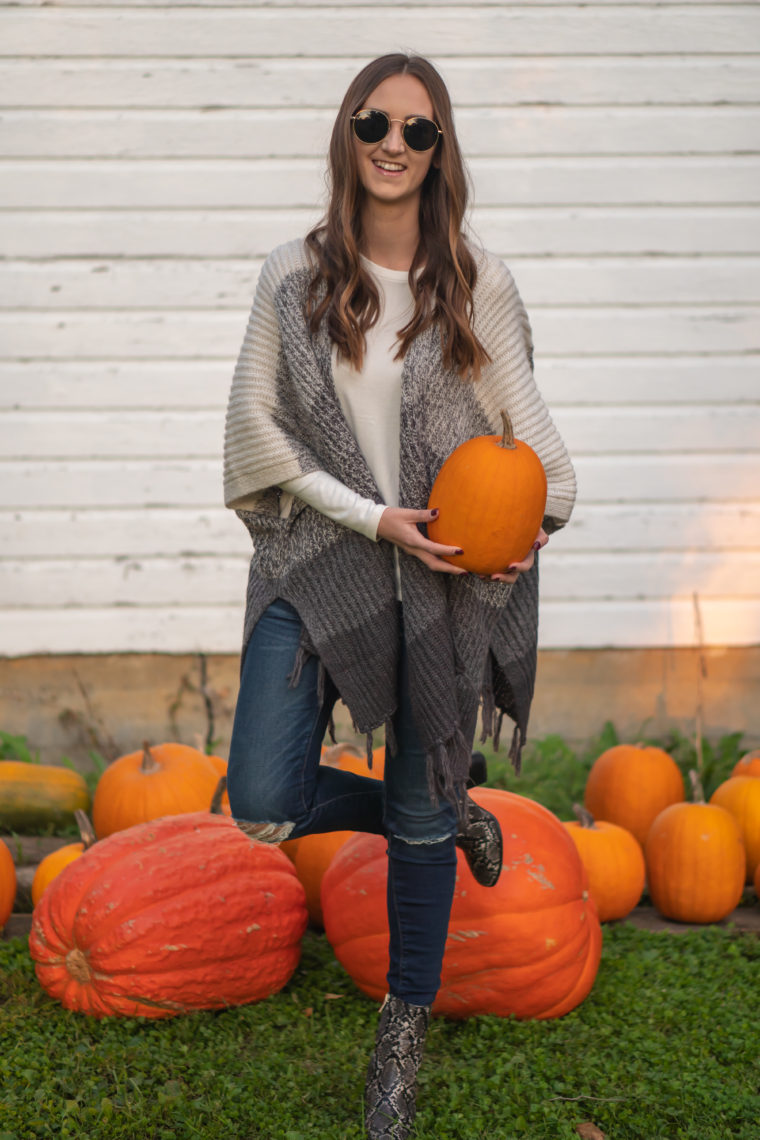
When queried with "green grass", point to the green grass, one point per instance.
{"points": [[667, 1046]]}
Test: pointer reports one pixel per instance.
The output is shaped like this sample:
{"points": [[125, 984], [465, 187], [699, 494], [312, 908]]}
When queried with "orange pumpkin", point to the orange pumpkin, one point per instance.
{"points": [[695, 861], [178, 914], [7, 884], [349, 758], [529, 946], [491, 498], [614, 861], [757, 881], [311, 855], [52, 865], [630, 784], [741, 796], [749, 765], [161, 779], [311, 859]]}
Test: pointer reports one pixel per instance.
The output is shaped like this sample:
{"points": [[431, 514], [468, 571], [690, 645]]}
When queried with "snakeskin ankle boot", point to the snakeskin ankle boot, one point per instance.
{"points": [[482, 844], [391, 1091]]}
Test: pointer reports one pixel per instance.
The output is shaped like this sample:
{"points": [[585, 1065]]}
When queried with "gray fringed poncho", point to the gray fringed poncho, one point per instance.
{"points": [[468, 641]]}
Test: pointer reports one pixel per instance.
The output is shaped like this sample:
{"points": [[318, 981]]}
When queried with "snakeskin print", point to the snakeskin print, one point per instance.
{"points": [[391, 1090], [482, 845]]}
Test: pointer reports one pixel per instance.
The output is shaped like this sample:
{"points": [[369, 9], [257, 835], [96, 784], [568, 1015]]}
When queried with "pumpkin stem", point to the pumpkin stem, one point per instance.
{"points": [[331, 755], [583, 815], [216, 799], [696, 787], [508, 434], [86, 831], [149, 763]]}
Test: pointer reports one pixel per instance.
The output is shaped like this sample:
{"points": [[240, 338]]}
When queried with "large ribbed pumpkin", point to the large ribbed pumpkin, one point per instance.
{"points": [[178, 914], [614, 861], [630, 784], [530, 946], [695, 861], [741, 796], [491, 498], [37, 795], [7, 884], [158, 780], [749, 765]]}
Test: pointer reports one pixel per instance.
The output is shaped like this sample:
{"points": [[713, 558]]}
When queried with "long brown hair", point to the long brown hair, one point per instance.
{"points": [[342, 292]]}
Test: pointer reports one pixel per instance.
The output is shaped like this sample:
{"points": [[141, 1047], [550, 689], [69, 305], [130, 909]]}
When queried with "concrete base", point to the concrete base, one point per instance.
{"points": [[111, 703]]}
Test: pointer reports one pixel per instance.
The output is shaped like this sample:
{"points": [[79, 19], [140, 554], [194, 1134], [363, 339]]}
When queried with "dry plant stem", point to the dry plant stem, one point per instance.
{"points": [[207, 701], [583, 815], [701, 674], [508, 434], [216, 799], [697, 792]]}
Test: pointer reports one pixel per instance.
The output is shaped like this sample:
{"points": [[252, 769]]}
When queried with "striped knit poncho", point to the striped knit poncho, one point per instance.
{"points": [[468, 641]]}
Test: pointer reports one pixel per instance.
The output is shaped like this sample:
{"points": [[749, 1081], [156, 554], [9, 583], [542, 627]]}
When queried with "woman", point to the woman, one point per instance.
{"points": [[373, 349]]}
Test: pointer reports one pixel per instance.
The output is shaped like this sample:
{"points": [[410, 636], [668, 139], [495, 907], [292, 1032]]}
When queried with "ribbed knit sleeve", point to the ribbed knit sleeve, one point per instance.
{"points": [[258, 453], [508, 382]]}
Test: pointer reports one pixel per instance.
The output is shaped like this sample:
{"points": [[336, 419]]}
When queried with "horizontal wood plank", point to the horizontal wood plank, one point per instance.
{"points": [[221, 183], [193, 283], [154, 482], [223, 133], [192, 532], [218, 629], [186, 434], [540, 231], [581, 80], [563, 331], [580, 577], [627, 29], [193, 384]]}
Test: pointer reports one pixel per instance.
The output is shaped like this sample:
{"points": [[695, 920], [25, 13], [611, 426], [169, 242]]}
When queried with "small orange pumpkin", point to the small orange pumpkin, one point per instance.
{"points": [[52, 865], [749, 765], [614, 861], [491, 498], [695, 860], [630, 784], [741, 796], [161, 779], [7, 884]]}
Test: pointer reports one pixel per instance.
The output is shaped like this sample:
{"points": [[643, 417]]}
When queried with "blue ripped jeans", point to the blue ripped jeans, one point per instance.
{"points": [[274, 775]]}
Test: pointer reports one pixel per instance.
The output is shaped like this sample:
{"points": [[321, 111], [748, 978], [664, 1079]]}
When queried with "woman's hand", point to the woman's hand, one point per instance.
{"points": [[399, 526], [517, 568]]}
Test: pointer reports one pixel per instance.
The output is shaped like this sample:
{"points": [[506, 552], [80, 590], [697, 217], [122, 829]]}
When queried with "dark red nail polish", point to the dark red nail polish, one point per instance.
{"points": [[536, 545], [434, 512]]}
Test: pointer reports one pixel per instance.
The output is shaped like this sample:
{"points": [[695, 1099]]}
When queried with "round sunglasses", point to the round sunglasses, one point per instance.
{"points": [[371, 126]]}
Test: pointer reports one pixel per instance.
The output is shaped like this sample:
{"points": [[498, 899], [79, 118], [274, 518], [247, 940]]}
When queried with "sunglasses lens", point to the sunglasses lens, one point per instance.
{"points": [[420, 134], [371, 126]]}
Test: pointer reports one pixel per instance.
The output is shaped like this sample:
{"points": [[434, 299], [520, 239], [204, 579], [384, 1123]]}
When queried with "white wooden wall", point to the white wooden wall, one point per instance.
{"points": [[154, 153]]}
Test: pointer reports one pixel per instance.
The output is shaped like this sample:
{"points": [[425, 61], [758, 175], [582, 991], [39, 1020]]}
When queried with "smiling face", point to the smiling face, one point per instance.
{"points": [[390, 171]]}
